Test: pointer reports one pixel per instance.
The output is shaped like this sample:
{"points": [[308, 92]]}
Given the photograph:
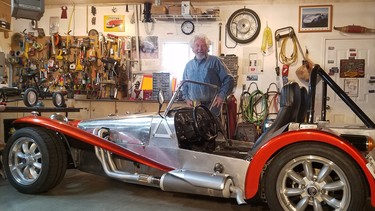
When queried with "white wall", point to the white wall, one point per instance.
{"points": [[276, 15]]}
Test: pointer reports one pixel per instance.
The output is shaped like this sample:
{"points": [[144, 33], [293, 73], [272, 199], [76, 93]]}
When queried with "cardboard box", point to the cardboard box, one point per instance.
{"points": [[158, 10], [213, 11], [196, 11], [186, 7], [5, 12], [5, 17], [174, 10]]}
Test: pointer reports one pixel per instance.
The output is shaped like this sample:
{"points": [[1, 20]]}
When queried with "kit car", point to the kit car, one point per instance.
{"points": [[296, 164], [315, 20]]}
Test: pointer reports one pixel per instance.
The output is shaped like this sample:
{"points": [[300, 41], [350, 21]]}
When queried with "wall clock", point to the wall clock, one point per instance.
{"points": [[187, 27], [243, 25]]}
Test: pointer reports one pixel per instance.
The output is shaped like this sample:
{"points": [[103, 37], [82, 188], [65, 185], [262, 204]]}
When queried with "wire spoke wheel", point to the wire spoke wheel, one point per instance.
{"points": [[243, 26]]}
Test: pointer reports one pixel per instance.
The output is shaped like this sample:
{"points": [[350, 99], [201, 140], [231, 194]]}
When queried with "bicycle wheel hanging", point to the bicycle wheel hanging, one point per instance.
{"points": [[243, 26]]}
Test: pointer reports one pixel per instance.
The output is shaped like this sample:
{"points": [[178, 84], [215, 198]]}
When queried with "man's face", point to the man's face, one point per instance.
{"points": [[200, 49]]}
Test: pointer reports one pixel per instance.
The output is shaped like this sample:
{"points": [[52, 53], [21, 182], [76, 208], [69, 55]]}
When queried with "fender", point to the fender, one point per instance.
{"points": [[89, 138], [267, 151]]}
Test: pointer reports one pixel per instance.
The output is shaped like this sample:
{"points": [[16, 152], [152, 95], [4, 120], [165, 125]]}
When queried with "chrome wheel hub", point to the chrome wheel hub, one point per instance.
{"points": [[312, 191], [313, 182], [25, 161]]}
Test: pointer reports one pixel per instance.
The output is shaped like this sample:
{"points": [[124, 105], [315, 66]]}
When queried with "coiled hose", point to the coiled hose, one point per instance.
{"points": [[254, 107], [283, 58]]}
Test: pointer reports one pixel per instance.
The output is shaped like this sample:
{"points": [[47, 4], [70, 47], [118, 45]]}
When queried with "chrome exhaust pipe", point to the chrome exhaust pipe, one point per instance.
{"points": [[111, 170], [183, 181], [201, 183], [239, 195]]}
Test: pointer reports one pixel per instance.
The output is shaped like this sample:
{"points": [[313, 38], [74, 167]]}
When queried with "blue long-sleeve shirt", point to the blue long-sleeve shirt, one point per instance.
{"points": [[210, 70]]}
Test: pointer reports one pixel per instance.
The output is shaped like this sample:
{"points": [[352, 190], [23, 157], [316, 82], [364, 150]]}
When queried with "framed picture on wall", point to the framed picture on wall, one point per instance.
{"points": [[114, 23], [315, 18], [351, 87]]}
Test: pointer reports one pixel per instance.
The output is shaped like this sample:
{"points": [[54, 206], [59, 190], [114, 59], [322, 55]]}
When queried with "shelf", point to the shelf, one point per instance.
{"points": [[4, 30], [186, 17]]}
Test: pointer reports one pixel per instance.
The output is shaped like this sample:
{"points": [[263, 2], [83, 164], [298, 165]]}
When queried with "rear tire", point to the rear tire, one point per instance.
{"points": [[35, 160], [314, 176]]}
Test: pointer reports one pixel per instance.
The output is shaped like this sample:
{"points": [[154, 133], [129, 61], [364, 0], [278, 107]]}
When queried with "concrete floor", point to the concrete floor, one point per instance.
{"points": [[80, 191]]}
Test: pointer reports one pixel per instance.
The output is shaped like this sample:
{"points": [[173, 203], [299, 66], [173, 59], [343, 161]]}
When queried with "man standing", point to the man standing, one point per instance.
{"points": [[209, 69]]}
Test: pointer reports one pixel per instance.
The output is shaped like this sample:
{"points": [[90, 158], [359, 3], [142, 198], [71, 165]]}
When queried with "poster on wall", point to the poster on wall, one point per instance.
{"points": [[149, 47], [352, 68], [252, 78], [114, 23], [351, 87]]}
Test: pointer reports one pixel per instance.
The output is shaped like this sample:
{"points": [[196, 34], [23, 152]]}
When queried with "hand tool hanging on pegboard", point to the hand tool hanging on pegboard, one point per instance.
{"points": [[283, 34]]}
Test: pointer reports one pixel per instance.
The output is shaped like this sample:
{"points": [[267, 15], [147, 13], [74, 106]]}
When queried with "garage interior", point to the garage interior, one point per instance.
{"points": [[121, 52]]}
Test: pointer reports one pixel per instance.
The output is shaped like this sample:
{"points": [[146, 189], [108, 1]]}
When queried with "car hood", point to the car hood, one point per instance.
{"points": [[131, 129]]}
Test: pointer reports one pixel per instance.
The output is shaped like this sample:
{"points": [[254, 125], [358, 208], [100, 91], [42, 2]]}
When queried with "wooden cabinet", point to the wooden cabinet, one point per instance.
{"points": [[149, 106], [5, 16], [4, 120], [84, 113], [123, 108], [102, 108]]}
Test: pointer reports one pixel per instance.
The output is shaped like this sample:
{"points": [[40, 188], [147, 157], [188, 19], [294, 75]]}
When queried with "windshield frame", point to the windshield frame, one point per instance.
{"points": [[176, 94]]}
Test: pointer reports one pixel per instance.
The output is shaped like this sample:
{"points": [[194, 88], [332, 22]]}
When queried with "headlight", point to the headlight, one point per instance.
{"points": [[59, 117]]}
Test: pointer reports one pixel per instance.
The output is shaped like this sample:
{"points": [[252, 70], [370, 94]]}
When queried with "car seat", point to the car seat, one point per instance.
{"points": [[302, 113]]}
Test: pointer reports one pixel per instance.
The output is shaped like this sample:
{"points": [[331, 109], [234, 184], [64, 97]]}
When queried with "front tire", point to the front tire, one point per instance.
{"points": [[314, 176], [35, 160]]}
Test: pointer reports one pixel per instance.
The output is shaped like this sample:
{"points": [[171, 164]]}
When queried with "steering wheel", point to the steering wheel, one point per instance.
{"points": [[204, 123]]}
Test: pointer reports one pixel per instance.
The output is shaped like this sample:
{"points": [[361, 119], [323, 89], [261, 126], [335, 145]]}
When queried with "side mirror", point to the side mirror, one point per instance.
{"points": [[160, 99]]}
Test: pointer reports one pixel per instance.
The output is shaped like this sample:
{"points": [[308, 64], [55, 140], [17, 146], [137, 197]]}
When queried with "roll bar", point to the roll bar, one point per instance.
{"points": [[317, 70]]}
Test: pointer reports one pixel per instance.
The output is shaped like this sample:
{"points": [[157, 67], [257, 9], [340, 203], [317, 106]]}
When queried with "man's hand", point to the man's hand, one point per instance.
{"points": [[218, 102], [190, 103]]}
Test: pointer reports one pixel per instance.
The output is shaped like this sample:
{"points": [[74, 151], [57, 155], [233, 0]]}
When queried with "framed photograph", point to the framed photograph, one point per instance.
{"points": [[351, 87], [315, 18]]}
